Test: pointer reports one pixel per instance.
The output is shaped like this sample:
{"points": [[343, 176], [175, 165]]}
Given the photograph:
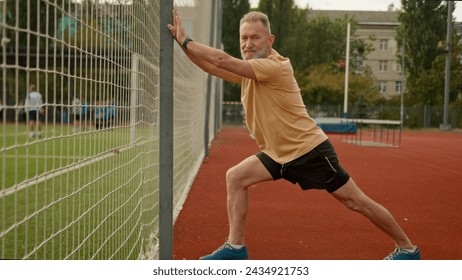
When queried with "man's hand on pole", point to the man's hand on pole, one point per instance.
{"points": [[177, 28]]}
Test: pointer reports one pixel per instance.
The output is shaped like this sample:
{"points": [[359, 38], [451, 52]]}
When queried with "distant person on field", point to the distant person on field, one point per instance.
{"points": [[85, 115], [100, 114], [291, 145], [76, 110], [112, 111], [1, 109], [34, 108]]}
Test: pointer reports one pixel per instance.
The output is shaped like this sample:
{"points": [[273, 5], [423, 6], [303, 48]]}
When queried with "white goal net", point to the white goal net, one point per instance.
{"points": [[79, 116]]}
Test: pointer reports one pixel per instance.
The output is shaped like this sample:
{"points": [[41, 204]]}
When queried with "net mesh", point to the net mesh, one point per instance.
{"points": [[84, 183]]}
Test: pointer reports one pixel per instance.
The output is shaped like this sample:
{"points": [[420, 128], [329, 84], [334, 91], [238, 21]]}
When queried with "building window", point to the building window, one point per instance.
{"points": [[382, 86], [383, 66], [383, 44], [399, 86], [399, 68]]}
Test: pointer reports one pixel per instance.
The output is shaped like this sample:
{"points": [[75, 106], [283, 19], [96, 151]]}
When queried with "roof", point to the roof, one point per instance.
{"points": [[362, 17]]}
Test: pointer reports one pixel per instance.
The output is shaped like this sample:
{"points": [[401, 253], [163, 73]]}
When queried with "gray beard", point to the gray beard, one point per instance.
{"points": [[260, 54]]}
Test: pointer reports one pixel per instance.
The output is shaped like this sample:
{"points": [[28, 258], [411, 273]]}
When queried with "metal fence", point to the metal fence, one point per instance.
{"points": [[414, 117]]}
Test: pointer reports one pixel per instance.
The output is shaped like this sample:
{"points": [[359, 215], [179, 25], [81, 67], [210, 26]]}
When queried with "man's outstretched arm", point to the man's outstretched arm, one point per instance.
{"points": [[213, 61]]}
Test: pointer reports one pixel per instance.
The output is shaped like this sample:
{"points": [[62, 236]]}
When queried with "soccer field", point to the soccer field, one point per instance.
{"points": [[64, 192], [58, 147], [89, 193]]}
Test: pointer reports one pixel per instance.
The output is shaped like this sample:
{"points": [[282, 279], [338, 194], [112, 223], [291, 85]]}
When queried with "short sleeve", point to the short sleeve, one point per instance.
{"points": [[265, 68]]}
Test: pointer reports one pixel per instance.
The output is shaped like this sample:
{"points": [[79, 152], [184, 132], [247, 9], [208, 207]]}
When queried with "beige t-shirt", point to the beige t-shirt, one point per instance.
{"points": [[275, 113]]}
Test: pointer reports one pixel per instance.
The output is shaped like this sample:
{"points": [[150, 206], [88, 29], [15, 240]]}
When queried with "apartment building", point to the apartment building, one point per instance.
{"points": [[377, 28]]}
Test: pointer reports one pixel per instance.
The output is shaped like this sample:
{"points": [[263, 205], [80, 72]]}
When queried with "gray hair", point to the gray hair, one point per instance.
{"points": [[256, 16]]}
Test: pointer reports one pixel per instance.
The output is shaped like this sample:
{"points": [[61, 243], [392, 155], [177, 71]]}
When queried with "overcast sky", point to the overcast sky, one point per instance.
{"points": [[361, 5]]}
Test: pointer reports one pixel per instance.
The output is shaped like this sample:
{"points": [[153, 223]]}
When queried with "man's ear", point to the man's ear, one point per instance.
{"points": [[271, 40]]}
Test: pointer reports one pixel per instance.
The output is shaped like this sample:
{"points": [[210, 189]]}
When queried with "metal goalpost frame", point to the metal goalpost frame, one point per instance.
{"points": [[166, 133], [209, 84], [122, 135], [166, 122]]}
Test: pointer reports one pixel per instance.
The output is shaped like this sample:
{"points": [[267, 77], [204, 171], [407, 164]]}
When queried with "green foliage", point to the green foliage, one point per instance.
{"points": [[283, 17], [233, 10], [324, 84], [423, 30], [308, 43], [33, 27], [423, 27], [327, 39], [30, 15], [321, 82], [296, 41]]}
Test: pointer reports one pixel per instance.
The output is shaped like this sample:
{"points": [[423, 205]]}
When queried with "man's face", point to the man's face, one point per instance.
{"points": [[255, 40]]}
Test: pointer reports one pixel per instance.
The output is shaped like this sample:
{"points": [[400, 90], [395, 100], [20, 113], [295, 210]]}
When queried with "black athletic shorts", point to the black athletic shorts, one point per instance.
{"points": [[318, 169], [33, 115]]}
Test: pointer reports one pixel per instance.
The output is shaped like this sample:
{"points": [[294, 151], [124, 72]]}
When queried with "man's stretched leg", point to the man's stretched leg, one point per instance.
{"points": [[238, 180], [353, 198]]}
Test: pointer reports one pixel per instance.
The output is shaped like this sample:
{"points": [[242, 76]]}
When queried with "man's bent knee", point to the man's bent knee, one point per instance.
{"points": [[231, 176], [247, 173]]}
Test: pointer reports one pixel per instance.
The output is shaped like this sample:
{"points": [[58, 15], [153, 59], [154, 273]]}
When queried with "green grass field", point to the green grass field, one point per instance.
{"points": [[77, 195]]}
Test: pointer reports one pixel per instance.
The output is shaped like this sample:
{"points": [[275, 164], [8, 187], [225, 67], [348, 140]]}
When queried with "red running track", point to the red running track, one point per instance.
{"points": [[420, 183]]}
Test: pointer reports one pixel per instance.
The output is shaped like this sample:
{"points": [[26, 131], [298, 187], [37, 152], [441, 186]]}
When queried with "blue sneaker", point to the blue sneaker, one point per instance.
{"points": [[401, 254], [226, 252]]}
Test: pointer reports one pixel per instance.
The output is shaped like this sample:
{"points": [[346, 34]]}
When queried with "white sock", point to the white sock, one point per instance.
{"points": [[411, 250], [234, 246]]}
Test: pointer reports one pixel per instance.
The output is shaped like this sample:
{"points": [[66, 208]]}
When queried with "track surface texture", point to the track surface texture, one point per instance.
{"points": [[420, 183]]}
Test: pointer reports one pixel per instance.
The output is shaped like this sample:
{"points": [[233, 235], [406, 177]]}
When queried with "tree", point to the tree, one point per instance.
{"points": [[423, 26], [282, 15], [23, 20], [322, 82], [305, 42], [327, 39], [431, 82], [295, 43], [289, 25], [33, 16], [325, 86]]}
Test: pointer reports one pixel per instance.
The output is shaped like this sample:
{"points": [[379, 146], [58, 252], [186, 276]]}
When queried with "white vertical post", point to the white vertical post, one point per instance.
{"points": [[403, 82], [347, 70], [134, 98], [447, 77]]}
